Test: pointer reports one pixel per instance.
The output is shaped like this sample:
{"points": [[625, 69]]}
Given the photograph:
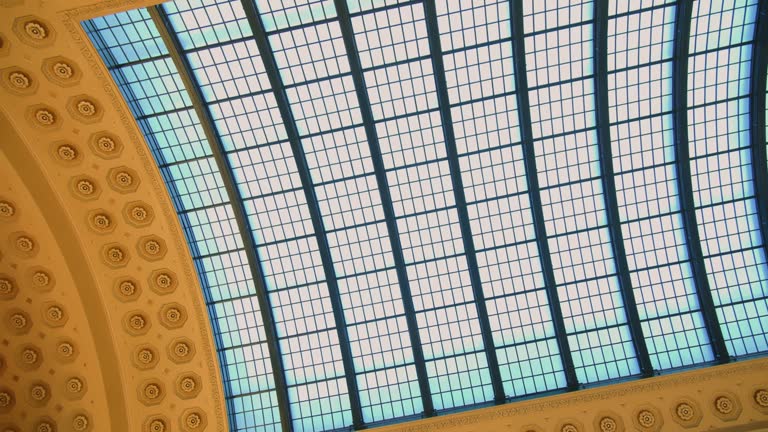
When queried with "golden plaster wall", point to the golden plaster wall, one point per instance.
{"points": [[85, 202], [52, 367], [80, 188]]}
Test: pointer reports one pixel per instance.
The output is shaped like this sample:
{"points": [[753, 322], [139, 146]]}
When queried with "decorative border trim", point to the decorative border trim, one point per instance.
{"points": [[71, 19], [552, 403]]}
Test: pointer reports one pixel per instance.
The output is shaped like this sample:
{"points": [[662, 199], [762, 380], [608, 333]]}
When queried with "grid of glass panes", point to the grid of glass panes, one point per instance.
{"points": [[312, 61], [236, 88], [183, 154], [640, 49], [282, 14], [558, 45], [477, 53], [200, 24], [718, 130], [125, 38], [394, 53]]}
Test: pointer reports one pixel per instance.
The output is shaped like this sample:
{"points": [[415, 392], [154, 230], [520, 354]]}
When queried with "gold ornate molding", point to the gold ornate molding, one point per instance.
{"points": [[74, 143], [58, 362], [687, 401]]}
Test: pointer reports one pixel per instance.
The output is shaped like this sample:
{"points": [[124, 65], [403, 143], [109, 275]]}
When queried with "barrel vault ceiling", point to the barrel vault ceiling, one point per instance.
{"points": [[104, 321]]}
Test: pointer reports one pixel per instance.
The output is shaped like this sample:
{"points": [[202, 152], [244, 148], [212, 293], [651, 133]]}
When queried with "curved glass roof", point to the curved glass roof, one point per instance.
{"points": [[400, 209]]}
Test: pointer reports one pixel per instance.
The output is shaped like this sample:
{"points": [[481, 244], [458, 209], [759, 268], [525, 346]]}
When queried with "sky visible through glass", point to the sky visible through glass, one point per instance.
{"points": [[393, 217]]}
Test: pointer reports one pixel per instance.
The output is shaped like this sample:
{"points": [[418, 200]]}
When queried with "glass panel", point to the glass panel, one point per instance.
{"points": [[721, 169], [126, 37], [480, 80], [640, 98], [198, 23], [313, 63], [284, 14], [393, 47], [558, 44]]}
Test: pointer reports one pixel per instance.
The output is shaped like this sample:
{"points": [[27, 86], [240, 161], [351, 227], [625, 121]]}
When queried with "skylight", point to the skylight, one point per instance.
{"points": [[397, 210]]}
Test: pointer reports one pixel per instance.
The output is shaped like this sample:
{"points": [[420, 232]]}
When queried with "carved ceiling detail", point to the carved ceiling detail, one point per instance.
{"points": [[145, 305], [49, 386], [716, 398]]}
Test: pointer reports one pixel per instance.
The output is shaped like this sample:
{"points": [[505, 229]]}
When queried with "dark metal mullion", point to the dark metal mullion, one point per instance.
{"points": [[551, 84], [145, 117], [160, 18], [433, 35], [347, 32], [531, 175], [281, 97], [557, 28], [201, 208], [117, 65], [600, 53], [386, 7], [396, 63], [749, 300], [723, 48], [165, 164], [683, 158], [717, 102], [345, 22], [757, 117]]}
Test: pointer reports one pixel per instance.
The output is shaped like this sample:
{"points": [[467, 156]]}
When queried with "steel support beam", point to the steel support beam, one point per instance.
{"points": [[160, 18], [433, 35], [685, 187], [600, 53], [270, 65], [345, 22], [534, 193], [757, 117]]}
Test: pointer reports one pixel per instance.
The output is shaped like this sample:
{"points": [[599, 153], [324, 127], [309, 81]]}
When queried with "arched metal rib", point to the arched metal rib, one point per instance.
{"points": [[683, 166], [173, 45], [276, 81], [757, 126], [345, 22], [433, 35], [534, 192], [600, 50]]}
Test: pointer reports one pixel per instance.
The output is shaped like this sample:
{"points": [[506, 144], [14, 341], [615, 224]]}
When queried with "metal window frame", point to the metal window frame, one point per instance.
{"points": [[683, 165], [600, 56], [347, 32], [684, 9], [163, 24], [757, 102], [436, 51], [278, 88], [534, 193]]}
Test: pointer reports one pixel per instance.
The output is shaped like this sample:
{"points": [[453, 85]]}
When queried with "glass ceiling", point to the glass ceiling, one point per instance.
{"points": [[398, 210]]}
